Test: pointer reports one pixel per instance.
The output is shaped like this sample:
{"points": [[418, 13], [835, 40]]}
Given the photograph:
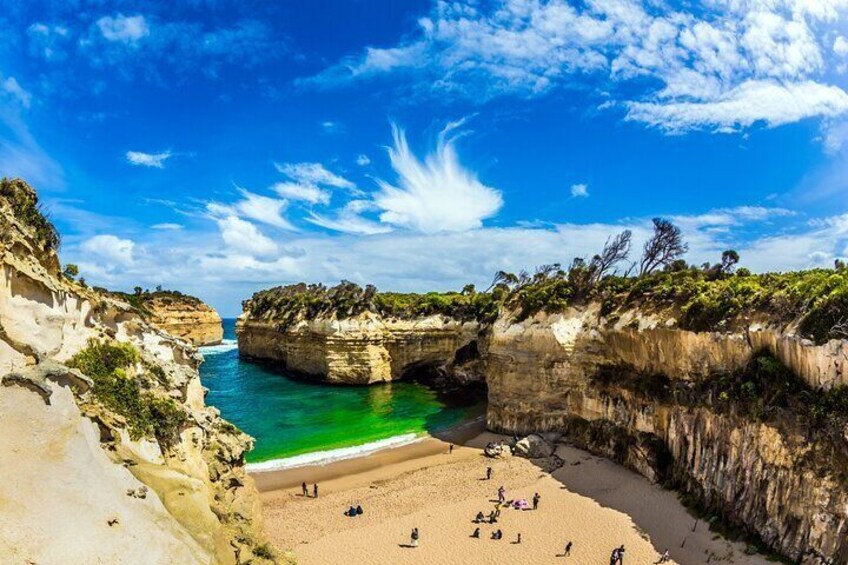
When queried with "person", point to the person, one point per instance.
{"points": [[621, 555], [488, 473], [518, 539], [614, 557], [414, 537], [476, 533], [305, 489], [568, 549], [351, 512], [358, 510], [479, 518], [450, 449], [315, 490], [665, 557], [497, 512], [492, 518], [501, 494], [497, 534], [536, 498]]}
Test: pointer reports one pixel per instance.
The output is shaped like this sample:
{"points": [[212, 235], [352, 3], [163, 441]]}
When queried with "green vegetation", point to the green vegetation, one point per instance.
{"points": [[27, 209], [109, 366], [287, 304], [140, 299]]}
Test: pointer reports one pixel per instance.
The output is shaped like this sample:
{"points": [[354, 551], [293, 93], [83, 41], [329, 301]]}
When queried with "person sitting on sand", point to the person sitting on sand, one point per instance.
{"points": [[518, 538], [414, 537], [665, 557], [476, 533], [567, 549], [479, 518], [497, 534], [492, 518], [358, 510], [351, 512]]}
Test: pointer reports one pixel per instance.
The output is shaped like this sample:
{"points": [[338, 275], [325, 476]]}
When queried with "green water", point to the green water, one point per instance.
{"points": [[291, 417]]}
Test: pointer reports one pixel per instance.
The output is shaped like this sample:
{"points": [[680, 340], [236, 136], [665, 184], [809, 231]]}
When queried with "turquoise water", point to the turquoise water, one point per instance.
{"points": [[291, 417]]}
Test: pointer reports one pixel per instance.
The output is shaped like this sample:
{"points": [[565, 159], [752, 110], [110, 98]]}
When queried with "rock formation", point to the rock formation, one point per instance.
{"points": [[103, 465], [185, 317]]}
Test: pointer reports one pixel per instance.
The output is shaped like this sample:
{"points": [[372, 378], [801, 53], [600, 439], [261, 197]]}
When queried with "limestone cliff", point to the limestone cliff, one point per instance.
{"points": [[185, 317], [362, 350], [125, 466], [578, 373]]}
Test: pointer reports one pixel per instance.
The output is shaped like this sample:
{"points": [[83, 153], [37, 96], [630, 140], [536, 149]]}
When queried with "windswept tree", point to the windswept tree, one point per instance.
{"points": [[665, 245], [615, 250], [71, 271], [728, 261]]}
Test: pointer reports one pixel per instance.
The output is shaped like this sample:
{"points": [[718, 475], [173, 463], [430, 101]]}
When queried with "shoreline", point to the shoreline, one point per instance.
{"points": [[276, 478]]}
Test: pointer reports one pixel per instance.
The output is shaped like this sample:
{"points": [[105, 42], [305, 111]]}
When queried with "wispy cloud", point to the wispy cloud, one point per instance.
{"points": [[436, 194], [125, 29], [580, 190], [155, 160], [167, 226]]}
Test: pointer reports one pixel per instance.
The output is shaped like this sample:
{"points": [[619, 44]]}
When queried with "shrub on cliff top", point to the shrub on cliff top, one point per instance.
{"points": [[108, 364], [25, 206]]}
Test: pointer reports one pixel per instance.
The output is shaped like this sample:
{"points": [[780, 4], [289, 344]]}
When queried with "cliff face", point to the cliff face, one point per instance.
{"points": [[364, 349], [766, 478], [186, 318], [83, 480]]}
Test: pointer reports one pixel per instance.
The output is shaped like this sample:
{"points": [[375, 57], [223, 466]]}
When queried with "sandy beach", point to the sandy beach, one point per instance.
{"points": [[590, 501]]}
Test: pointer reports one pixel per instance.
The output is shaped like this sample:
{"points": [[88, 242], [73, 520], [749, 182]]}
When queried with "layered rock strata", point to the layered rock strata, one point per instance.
{"points": [[186, 318]]}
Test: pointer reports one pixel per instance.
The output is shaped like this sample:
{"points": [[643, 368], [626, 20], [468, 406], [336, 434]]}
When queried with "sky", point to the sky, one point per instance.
{"points": [[220, 147]]}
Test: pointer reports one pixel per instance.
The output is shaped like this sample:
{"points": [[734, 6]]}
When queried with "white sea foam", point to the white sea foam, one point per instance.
{"points": [[324, 457], [223, 347]]}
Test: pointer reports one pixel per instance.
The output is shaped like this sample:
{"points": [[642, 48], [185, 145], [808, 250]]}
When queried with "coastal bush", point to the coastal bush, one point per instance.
{"points": [[108, 365], [28, 210]]}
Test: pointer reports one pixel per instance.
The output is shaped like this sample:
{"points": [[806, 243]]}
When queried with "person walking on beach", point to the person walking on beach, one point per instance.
{"points": [[664, 558], [315, 490], [501, 494], [488, 473], [450, 449], [567, 549], [305, 490], [414, 537], [536, 498]]}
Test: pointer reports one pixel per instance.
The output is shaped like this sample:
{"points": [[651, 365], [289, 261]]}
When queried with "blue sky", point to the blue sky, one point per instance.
{"points": [[221, 147]]}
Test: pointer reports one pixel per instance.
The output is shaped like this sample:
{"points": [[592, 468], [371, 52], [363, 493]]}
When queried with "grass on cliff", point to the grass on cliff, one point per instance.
{"points": [[110, 366], [25, 206], [286, 305]]}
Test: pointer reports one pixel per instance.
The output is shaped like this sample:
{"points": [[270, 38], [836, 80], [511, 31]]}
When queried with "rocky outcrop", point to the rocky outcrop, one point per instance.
{"points": [[185, 317], [768, 479], [69, 458], [364, 349]]}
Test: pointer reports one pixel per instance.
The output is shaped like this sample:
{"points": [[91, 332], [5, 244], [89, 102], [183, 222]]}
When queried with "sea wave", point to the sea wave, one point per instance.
{"points": [[223, 347], [324, 457]]}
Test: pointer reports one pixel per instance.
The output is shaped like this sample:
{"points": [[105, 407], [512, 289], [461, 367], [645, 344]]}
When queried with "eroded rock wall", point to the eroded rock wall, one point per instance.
{"points": [[362, 350], [540, 378], [187, 319]]}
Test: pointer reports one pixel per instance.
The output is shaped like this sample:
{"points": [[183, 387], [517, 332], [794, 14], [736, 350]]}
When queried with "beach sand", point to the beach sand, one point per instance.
{"points": [[590, 501]]}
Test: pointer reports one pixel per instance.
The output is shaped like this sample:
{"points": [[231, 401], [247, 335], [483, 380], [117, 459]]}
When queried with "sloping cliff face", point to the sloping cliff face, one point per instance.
{"points": [[83, 480], [186, 318], [364, 349], [769, 478]]}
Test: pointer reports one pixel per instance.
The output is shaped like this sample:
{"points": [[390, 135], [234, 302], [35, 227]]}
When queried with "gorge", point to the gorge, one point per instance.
{"points": [[742, 412]]}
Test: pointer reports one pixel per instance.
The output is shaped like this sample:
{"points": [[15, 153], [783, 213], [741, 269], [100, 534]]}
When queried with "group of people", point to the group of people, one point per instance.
{"points": [[305, 490], [353, 512], [617, 556]]}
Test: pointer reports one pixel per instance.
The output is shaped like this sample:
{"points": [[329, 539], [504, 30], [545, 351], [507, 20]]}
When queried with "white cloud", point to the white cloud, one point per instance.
{"points": [[167, 226], [362, 160], [11, 86], [705, 68], [314, 174], [111, 250], [304, 192], [350, 220], [243, 237], [124, 29], [155, 160], [579, 190], [435, 195], [256, 207]]}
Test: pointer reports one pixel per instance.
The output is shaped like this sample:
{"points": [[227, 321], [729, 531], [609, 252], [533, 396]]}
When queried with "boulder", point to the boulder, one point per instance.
{"points": [[497, 450], [533, 447]]}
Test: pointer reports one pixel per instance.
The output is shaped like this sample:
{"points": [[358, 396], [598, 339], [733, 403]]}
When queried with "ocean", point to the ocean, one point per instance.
{"points": [[296, 422]]}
